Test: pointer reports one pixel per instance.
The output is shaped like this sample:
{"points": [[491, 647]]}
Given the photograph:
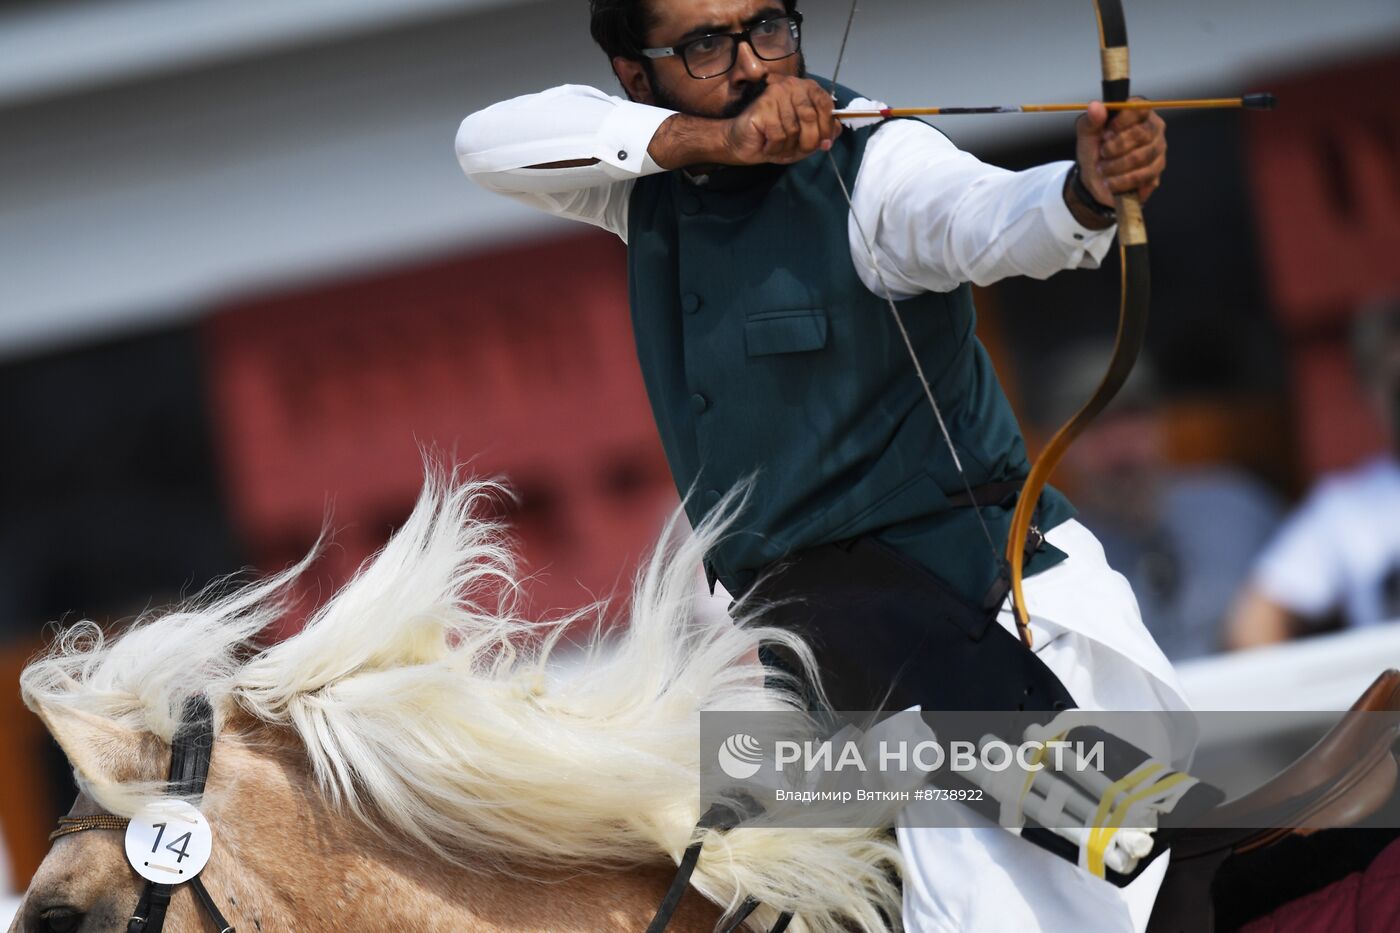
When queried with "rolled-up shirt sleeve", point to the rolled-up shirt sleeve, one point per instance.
{"points": [[936, 217], [498, 146]]}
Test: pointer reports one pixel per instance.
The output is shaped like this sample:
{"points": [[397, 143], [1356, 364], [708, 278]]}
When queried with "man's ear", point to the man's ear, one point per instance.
{"points": [[101, 751], [632, 74]]}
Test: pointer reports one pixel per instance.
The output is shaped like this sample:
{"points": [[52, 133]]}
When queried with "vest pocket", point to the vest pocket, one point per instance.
{"points": [[768, 332], [918, 495]]}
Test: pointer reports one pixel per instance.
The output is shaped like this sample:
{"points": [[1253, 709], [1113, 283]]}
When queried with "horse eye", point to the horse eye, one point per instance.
{"points": [[61, 920]]}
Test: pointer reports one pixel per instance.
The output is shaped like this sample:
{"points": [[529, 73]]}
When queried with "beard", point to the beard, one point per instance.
{"points": [[750, 93]]}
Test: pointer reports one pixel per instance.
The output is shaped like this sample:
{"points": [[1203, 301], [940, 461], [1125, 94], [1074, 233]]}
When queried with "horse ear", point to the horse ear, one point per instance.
{"points": [[102, 751]]}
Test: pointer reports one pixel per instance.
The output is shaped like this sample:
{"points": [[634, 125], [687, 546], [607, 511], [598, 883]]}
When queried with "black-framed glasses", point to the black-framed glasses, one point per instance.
{"points": [[711, 56]]}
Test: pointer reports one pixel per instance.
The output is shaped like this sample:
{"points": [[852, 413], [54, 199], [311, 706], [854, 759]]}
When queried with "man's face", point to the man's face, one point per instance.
{"points": [[665, 81]]}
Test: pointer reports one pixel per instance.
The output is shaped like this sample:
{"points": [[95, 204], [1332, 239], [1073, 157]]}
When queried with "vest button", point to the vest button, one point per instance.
{"points": [[699, 402], [712, 498], [690, 205], [690, 303]]}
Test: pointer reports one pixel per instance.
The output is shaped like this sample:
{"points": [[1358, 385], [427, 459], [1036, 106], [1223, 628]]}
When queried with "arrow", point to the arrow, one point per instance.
{"points": [[1260, 101]]}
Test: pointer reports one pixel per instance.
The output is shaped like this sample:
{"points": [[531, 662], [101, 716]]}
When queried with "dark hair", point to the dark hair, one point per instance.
{"points": [[620, 26]]}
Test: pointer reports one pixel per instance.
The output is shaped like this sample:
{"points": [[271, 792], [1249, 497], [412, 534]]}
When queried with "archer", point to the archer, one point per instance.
{"points": [[759, 304]]}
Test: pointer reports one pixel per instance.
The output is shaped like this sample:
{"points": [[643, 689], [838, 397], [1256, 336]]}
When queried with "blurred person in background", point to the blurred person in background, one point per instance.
{"points": [[1339, 554], [1185, 537]]}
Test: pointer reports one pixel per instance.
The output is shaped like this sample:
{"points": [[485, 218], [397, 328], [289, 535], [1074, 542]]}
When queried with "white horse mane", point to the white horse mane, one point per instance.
{"points": [[423, 702]]}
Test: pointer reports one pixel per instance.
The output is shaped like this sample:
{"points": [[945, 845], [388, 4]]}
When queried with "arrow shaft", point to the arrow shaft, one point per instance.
{"points": [[1253, 102]]}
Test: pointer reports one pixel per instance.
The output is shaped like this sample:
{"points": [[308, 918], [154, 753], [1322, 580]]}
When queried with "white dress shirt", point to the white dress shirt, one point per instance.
{"points": [[937, 216]]}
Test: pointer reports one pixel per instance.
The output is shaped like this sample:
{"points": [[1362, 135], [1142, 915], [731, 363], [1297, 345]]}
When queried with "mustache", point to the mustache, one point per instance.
{"points": [[751, 93]]}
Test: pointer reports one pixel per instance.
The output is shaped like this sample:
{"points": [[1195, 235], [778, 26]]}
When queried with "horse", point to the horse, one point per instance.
{"points": [[414, 758]]}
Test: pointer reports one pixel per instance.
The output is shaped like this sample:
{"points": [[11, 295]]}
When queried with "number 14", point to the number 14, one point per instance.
{"points": [[183, 842]]}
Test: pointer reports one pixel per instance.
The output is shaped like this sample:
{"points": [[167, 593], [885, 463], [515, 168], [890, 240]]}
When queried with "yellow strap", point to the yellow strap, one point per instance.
{"points": [[1158, 789], [1099, 837], [1030, 774], [1121, 813]]}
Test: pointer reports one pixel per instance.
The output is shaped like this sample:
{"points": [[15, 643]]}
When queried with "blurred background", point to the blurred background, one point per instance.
{"points": [[243, 285]]}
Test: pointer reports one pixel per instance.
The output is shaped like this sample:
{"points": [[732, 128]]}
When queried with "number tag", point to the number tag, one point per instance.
{"points": [[168, 841]]}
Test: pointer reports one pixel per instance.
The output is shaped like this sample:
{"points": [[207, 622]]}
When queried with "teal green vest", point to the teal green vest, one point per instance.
{"points": [[766, 358]]}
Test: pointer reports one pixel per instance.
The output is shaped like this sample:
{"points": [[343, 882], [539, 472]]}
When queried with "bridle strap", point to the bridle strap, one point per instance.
{"points": [[68, 825], [192, 748], [672, 900], [749, 906], [202, 893], [679, 883], [722, 817], [190, 752], [149, 916], [151, 908]]}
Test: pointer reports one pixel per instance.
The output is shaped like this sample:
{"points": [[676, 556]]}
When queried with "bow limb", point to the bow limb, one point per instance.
{"points": [[1132, 318]]}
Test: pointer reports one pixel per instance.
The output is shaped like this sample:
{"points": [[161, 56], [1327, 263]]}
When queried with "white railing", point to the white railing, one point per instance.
{"points": [[1327, 672]]}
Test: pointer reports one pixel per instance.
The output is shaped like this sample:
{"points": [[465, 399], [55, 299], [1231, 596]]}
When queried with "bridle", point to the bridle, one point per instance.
{"points": [[719, 816], [190, 751]]}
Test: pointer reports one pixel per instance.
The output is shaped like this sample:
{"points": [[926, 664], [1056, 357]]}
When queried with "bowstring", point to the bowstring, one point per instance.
{"points": [[841, 52], [997, 558]]}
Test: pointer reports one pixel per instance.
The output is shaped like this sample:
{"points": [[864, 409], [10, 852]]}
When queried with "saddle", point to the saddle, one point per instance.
{"points": [[1341, 780]]}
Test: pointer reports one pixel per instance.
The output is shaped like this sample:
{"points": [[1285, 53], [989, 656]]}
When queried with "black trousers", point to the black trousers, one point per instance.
{"points": [[888, 634]]}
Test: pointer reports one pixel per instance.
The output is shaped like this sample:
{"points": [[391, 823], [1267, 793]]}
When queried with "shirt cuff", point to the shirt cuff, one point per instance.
{"points": [[625, 136], [1087, 247]]}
